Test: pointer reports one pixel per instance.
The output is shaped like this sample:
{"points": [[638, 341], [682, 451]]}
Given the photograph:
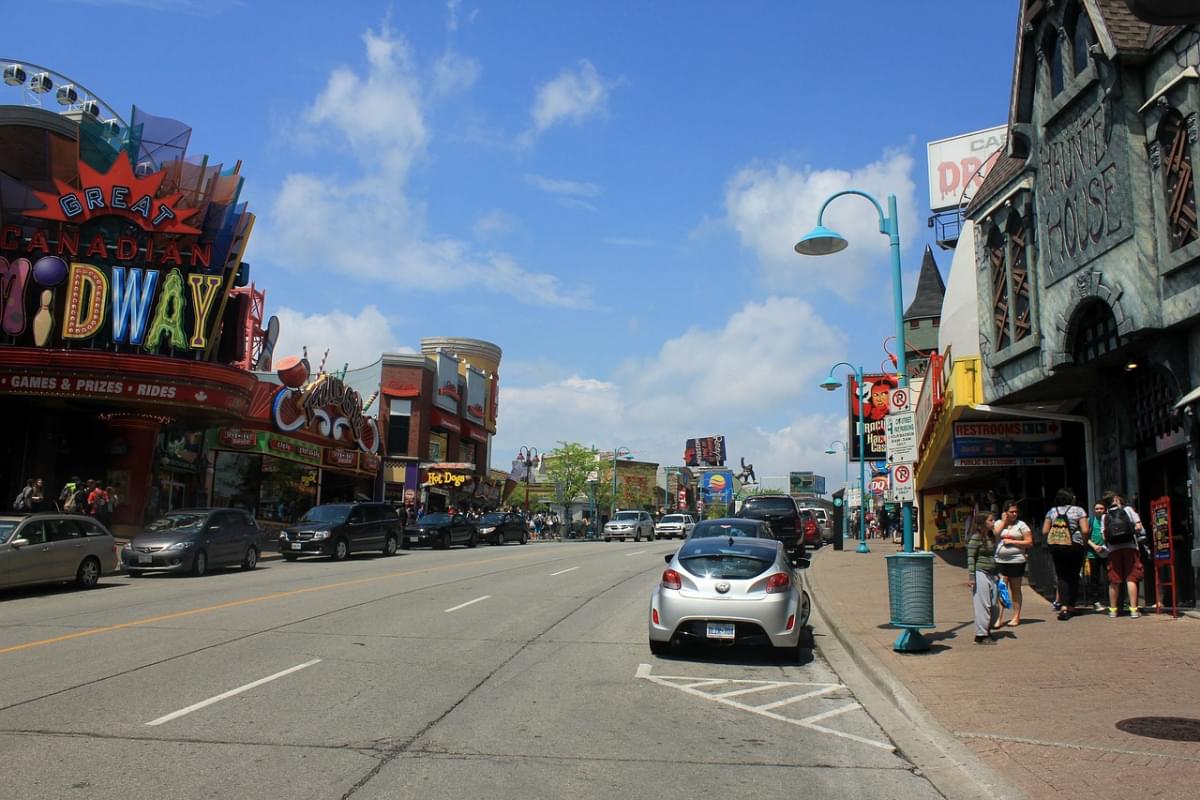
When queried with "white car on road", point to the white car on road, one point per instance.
{"points": [[674, 526], [629, 525]]}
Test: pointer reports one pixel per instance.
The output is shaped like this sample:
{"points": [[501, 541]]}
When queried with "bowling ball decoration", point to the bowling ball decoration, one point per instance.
{"points": [[49, 271], [292, 371]]}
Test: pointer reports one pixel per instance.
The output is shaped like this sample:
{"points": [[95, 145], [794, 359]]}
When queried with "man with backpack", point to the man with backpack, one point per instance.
{"points": [[1121, 528], [66, 498]]}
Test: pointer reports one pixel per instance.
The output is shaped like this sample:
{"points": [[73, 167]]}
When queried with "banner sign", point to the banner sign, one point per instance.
{"points": [[806, 483], [45, 383], [445, 393], [1160, 528], [873, 399], [1008, 443], [959, 162], [476, 395], [264, 442], [707, 451]]}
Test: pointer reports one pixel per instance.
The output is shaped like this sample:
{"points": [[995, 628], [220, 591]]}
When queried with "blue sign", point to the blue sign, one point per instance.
{"points": [[1008, 443], [717, 486]]}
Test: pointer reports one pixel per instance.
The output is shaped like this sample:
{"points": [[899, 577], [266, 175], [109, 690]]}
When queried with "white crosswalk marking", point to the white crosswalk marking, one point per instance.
{"points": [[798, 692]]}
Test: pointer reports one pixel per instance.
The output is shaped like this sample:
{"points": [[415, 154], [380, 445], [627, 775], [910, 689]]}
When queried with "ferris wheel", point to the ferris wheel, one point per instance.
{"points": [[34, 85]]}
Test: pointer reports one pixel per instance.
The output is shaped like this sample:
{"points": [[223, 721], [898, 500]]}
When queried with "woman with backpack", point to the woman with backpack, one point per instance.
{"points": [[1014, 540], [982, 575], [1066, 528], [1122, 528]]}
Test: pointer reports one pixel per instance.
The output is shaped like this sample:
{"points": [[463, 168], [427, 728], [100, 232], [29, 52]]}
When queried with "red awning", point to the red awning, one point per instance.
{"points": [[440, 419], [474, 432], [401, 391]]}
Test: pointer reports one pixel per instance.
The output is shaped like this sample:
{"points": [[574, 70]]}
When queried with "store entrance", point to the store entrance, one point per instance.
{"points": [[1166, 476]]}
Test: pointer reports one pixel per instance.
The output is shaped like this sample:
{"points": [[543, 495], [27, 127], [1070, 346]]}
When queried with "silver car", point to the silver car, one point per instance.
{"points": [[673, 526], [48, 548], [629, 525], [726, 591]]}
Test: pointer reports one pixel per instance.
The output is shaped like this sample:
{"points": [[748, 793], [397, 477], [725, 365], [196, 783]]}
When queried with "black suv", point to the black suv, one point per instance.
{"points": [[338, 529], [781, 512]]}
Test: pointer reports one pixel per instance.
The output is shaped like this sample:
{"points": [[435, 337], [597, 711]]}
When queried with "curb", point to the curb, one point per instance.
{"points": [[952, 767]]}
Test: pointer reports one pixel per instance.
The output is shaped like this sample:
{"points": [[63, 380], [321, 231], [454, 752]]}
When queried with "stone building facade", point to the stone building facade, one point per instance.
{"points": [[1088, 255]]}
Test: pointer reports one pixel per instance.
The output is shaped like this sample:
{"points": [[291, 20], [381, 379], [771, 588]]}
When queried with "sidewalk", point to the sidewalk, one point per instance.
{"points": [[1041, 705]]}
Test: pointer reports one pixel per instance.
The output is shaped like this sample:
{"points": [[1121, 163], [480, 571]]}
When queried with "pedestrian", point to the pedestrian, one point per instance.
{"points": [[38, 499], [1014, 540], [24, 499], [1122, 530], [1066, 529], [68, 491], [1097, 565], [96, 499], [111, 501], [982, 575]]}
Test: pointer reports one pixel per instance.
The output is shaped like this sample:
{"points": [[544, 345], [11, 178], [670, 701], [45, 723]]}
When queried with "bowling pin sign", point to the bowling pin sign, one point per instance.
{"points": [[43, 320]]}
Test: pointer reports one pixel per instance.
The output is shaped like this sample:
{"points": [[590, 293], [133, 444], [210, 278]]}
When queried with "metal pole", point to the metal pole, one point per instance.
{"points": [[845, 490], [612, 501], [893, 232], [862, 466]]}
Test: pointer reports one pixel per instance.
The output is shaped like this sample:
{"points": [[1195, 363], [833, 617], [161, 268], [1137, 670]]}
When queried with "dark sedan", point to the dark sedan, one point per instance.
{"points": [[499, 527], [441, 531], [733, 527]]}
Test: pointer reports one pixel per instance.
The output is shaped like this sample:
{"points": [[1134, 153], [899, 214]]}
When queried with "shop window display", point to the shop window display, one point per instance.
{"points": [[273, 489]]}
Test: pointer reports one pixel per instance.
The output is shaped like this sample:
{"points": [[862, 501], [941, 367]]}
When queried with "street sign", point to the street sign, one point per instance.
{"points": [[879, 485], [901, 437], [899, 400], [854, 497], [902, 483]]}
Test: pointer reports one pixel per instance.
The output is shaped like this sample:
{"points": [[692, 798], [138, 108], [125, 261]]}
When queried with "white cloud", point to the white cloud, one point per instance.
{"points": [[574, 95], [454, 73], [495, 223], [771, 207], [365, 225], [559, 186], [357, 339], [766, 356]]}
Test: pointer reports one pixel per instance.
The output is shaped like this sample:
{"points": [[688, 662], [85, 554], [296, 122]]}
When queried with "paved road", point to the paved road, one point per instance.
{"points": [[501, 672]]}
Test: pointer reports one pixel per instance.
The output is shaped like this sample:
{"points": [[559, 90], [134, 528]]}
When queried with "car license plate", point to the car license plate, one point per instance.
{"points": [[145, 560], [721, 630], [297, 545], [414, 538]]}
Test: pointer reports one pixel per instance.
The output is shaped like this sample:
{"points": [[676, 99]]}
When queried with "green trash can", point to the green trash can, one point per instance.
{"points": [[910, 589]]}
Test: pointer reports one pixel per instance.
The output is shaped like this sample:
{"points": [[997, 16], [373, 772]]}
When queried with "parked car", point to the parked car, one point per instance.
{"points": [[498, 527], [339, 529], [673, 526], [52, 547], [720, 591], [193, 540], [629, 525], [733, 528], [442, 531], [824, 523], [781, 512]]}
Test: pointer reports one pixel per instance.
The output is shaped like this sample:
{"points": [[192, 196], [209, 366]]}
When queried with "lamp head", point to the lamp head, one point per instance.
{"points": [[830, 384], [821, 241], [829, 451]]}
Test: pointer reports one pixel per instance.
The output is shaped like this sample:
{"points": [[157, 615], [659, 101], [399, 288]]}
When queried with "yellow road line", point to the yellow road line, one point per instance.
{"points": [[233, 604]]}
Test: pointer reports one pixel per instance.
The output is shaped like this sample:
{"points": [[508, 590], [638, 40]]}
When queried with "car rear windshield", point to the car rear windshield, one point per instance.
{"points": [[6, 529], [626, 515], [673, 518], [335, 514], [175, 522], [719, 558], [738, 530], [770, 504], [434, 519]]}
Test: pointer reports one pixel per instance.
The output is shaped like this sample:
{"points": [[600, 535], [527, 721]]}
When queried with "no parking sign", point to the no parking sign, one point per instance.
{"points": [[903, 489], [899, 400]]}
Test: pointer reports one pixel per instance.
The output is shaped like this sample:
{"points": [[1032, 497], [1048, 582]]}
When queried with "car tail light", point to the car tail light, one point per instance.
{"points": [[671, 579], [654, 615], [791, 622], [779, 582]]}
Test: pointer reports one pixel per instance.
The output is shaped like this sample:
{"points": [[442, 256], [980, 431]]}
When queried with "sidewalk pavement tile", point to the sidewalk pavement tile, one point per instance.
{"points": [[1041, 705]]}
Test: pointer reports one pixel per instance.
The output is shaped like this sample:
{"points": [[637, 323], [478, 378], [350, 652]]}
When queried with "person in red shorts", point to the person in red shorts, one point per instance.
{"points": [[1121, 529]]}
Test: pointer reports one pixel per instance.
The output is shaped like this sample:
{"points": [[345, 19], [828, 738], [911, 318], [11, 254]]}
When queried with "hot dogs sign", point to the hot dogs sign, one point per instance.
{"points": [[324, 405]]}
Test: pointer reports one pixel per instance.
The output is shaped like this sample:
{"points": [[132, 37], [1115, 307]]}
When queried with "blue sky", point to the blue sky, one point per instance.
{"points": [[607, 190]]}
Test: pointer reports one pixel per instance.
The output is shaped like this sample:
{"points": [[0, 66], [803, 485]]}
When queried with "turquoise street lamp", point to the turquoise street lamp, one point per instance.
{"points": [[620, 452], [907, 571], [831, 384], [832, 450]]}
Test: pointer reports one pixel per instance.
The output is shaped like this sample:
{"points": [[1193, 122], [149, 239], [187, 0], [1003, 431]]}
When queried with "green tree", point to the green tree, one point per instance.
{"points": [[568, 466]]}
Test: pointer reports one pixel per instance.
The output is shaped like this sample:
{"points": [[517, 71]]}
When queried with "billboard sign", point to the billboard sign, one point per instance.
{"points": [[476, 395], [961, 163], [806, 483], [707, 451], [873, 397], [717, 486], [1012, 443], [446, 394]]}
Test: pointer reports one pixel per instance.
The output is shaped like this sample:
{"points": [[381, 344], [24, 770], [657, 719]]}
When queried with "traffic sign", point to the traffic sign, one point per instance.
{"points": [[899, 400], [901, 430], [854, 497], [879, 485], [902, 483]]}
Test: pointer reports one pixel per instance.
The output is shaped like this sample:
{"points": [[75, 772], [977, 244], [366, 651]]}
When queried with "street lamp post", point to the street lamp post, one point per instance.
{"points": [[830, 384], [831, 450], [529, 457], [620, 452], [910, 574]]}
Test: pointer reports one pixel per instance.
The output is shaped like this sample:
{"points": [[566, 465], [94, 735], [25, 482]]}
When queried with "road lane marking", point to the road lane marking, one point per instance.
{"points": [[798, 698], [226, 695], [645, 672], [66, 637], [766, 685], [468, 603], [563, 571], [634, 553]]}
